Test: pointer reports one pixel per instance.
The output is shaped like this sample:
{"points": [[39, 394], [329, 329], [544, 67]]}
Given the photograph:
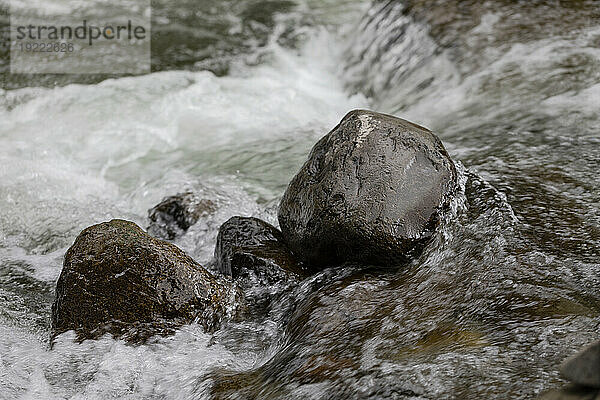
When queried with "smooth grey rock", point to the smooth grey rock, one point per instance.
{"points": [[571, 392], [247, 245], [371, 191], [175, 214], [118, 279], [583, 368]]}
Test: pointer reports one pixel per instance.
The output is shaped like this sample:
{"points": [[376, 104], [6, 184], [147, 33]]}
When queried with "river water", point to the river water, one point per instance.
{"points": [[240, 92]]}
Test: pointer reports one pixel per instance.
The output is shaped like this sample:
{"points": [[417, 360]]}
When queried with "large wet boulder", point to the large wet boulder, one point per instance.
{"points": [[583, 368], [118, 279], [371, 191], [174, 215], [251, 249]]}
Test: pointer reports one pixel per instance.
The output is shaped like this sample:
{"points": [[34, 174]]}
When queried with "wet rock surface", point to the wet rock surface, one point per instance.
{"points": [[118, 279], [571, 392], [249, 246], [175, 214], [583, 371], [583, 368], [371, 191]]}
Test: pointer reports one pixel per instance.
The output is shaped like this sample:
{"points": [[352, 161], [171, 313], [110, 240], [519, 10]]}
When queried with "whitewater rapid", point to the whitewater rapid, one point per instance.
{"points": [[77, 155], [507, 290]]}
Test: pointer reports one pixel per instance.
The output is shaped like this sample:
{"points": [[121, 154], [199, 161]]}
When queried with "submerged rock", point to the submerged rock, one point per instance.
{"points": [[247, 245], [584, 367], [175, 214], [371, 191], [118, 279]]}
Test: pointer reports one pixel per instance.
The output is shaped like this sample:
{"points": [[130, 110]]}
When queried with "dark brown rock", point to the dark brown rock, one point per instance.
{"points": [[175, 214], [118, 279], [371, 191], [247, 245]]}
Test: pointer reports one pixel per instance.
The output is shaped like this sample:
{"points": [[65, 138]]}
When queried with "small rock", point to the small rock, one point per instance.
{"points": [[584, 367], [371, 191], [175, 214], [571, 392], [118, 279], [247, 245]]}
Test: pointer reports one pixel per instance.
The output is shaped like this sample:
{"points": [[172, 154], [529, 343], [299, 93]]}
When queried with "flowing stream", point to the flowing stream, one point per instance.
{"points": [[239, 93]]}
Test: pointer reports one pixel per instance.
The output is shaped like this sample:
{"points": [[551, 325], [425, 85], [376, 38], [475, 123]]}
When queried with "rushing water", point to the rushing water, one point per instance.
{"points": [[241, 91]]}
